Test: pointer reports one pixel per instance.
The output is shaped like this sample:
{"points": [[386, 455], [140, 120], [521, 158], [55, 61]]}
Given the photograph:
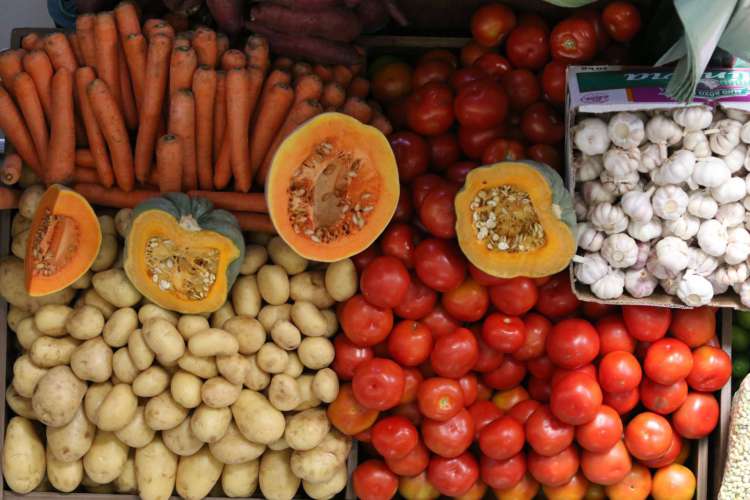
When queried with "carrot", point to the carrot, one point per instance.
{"points": [[222, 44], [257, 52], [169, 164], [242, 92], [129, 109], [154, 87], [182, 124], [380, 122], [31, 108], [81, 174], [37, 64], [223, 166], [342, 75], [204, 90], [107, 54], [309, 86], [62, 140], [274, 77], [357, 108], [181, 68], [299, 113], [220, 114], [85, 30], [10, 172], [204, 43], [11, 63], [333, 96], [31, 42], [134, 50], [97, 156], [359, 87], [113, 197], [324, 72], [273, 108], [254, 222], [73, 41], [242, 202], [283, 63], [9, 198], [60, 52], [128, 23], [301, 69], [158, 27], [12, 124], [183, 40], [233, 59]]}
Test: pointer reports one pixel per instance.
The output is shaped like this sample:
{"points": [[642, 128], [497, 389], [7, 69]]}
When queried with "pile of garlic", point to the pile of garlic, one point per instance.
{"points": [[662, 198]]}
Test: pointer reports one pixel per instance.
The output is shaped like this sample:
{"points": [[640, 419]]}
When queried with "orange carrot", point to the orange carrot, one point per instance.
{"points": [[333, 96], [283, 63], [31, 108], [182, 40], [107, 54], [272, 111], [342, 75], [9, 198], [60, 52], [11, 63], [299, 113], [220, 114], [357, 108], [182, 124], [243, 90], [204, 43], [82, 174], [254, 222], [274, 77], [233, 59], [73, 41], [129, 109], [157, 27], [97, 156], [128, 23], [113, 197], [242, 202], [169, 163], [181, 68], [134, 50], [204, 90], [222, 44], [37, 64], [324, 72], [31, 42], [223, 166], [10, 172], [257, 52], [149, 24], [85, 30], [309, 86], [359, 87], [62, 140], [14, 127], [154, 88], [301, 69]]}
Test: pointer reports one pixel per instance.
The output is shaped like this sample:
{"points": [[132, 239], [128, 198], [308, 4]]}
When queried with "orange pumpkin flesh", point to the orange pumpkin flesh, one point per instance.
{"points": [[64, 240], [332, 187]]}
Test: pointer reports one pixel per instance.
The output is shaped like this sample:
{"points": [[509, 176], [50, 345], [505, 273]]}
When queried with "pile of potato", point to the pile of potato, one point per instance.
{"points": [[135, 398]]}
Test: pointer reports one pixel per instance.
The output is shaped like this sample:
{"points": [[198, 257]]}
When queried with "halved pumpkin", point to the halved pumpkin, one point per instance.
{"points": [[516, 219], [64, 240], [332, 187], [182, 254]]}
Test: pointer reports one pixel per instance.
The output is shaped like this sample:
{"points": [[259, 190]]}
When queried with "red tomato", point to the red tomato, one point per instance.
{"points": [[410, 343], [502, 150], [669, 457], [440, 398], [613, 335], [348, 357], [347, 415], [577, 487], [481, 104], [412, 380], [595, 310], [546, 434], [418, 302], [391, 82], [507, 399], [541, 367], [575, 399], [483, 413], [440, 55], [648, 436], [403, 207], [493, 65], [506, 376], [411, 464], [458, 171], [712, 368], [522, 88], [412, 154], [409, 410], [365, 257], [384, 282], [674, 482], [553, 82], [503, 333], [619, 371], [453, 355], [697, 416], [450, 438], [431, 71], [483, 278], [544, 153], [636, 485], [417, 487], [396, 112], [439, 264], [622, 402], [667, 361], [444, 150], [453, 476], [540, 123], [372, 480], [527, 46], [559, 373], [429, 110], [602, 432], [364, 324], [394, 437], [489, 359], [554, 470], [663, 399], [440, 322], [502, 474], [466, 75], [399, 240], [556, 298], [573, 40], [437, 212], [522, 410], [537, 328], [514, 296], [621, 20], [539, 389], [646, 323], [471, 52], [491, 23], [422, 186], [378, 384], [474, 141], [695, 327], [469, 388], [606, 467], [572, 343], [502, 438], [476, 492]]}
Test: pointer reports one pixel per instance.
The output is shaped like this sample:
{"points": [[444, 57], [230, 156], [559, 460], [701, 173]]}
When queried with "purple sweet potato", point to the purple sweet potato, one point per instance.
{"points": [[372, 14], [308, 48], [337, 24], [228, 15]]}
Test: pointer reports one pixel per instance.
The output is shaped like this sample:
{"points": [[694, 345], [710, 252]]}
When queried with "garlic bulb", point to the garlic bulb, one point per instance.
{"points": [[711, 172], [579, 207], [656, 268], [669, 202], [693, 117], [677, 169], [738, 245], [609, 218], [590, 268], [637, 205], [744, 293], [731, 214], [736, 158], [619, 250], [712, 238], [645, 231], [652, 156], [620, 185], [725, 136], [672, 253], [702, 205], [736, 114], [594, 192], [640, 283], [587, 168], [745, 133], [610, 286], [590, 136], [700, 262], [697, 142], [684, 227], [644, 250], [731, 275], [695, 290], [718, 287], [732, 190], [669, 285], [663, 131], [621, 162], [626, 130], [589, 238]]}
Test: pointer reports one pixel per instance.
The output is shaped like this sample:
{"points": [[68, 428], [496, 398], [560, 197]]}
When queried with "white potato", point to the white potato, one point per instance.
{"points": [[126, 482], [118, 408], [155, 470], [309, 319], [269, 315], [151, 382], [256, 379], [123, 367], [136, 434], [95, 395], [330, 488], [48, 352], [310, 286], [218, 392], [50, 319], [246, 298], [181, 439], [271, 358], [92, 360], [277, 481], [257, 419], [213, 342], [71, 441], [286, 335], [283, 255], [233, 448], [197, 474], [86, 322], [190, 324], [248, 331], [198, 366], [23, 456], [163, 412], [140, 353], [58, 396], [255, 256], [64, 476], [316, 352], [341, 280], [234, 368], [106, 458], [210, 424], [240, 480], [27, 333], [119, 326], [151, 311], [163, 339], [305, 430], [115, 287], [326, 385], [221, 315], [283, 393], [186, 389], [273, 284], [26, 375]]}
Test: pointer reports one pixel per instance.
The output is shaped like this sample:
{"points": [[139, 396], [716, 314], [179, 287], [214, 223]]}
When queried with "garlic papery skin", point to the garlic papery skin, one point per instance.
{"points": [[697, 142], [610, 286], [657, 269], [738, 245], [619, 250], [620, 185], [684, 227], [731, 191], [652, 156], [590, 136], [725, 136], [677, 169], [695, 290], [645, 231], [719, 288], [621, 162], [745, 133], [672, 253], [640, 283], [731, 214], [711, 172], [701, 263], [637, 205], [644, 250], [712, 237], [626, 130], [590, 268], [609, 218], [702, 205], [736, 158], [727, 276], [693, 117], [588, 168], [736, 114], [589, 238], [669, 285], [663, 131], [594, 192], [580, 208], [669, 202], [744, 293]]}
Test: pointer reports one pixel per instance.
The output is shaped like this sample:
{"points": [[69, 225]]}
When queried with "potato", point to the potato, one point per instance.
{"points": [[123, 367], [19, 243], [190, 324], [201, 367], [107, 255], [58, 396], [332, 322], [234, 368], [308, 399], [210, 424], [163, 412], [15, 316], [26, 375], [279, 444], [248, 331], [283, 255], [136, 434], [29, 200], [197, 474], [48, 352], [92, 360], [91, 486], [271, 358], [330, 488], [83, 282], [151, 311], [150, 382], [218, 392], [286, 335], [139, 351], [126, 482], [21, 406], [240, 480], [293, 367], [23, 456], [246, 296], [85, 323], [221, 315], [106, 458], [269, 315], [256, 418], [20, 224], [95, 395], [119, 326], [341, 280], [325, 385], [181, 439], [27, 333], [12, 276], [305, 430], [213, 342], [186, 389], [64, 476], [320, 463], [92, 298], [283, 393], [114, 287], [233, 448], [117, 409], [310, 286], [309, 319], [123, 218], [276, 479], [164, 340], [255, 256], [155, 470], [256, 379], [107, 224], [316, 352], [273, 284], [50, 319]]}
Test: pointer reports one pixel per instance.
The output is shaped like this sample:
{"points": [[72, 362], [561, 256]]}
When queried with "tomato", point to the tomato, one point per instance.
{"points": [[474, 141], [412, 154], [476, 492], [453, 476], [553, 82], [544, 153], [576, 398], [417, 487], [507, 399], [602, 432], [449, 438], [573, 40], [457, 172], [502, 474], [440, 322], [364, 324], [403, 207], [695, 327], [522, 410], [429, 110], [712, 368], [502, 438], [648, 436], [347, 415], [440, 398], [622, 402], [399, 240], [431, 71], [365, 257], [506, 376], [525, 489], [595, 310], [438, 214], [396, 112], [348, 357], [409, 410], [606, 467], [422, 186], [619, 371], [471, 52], [675, 482], [621, 20], [410, 343], [439, 264], [384, 282], [391, 82], [514, 296], [667, 361], [469, 388], [539, 389], [522, 88], [412, 380], [493, 65], [554, 470], [418, 301], [537, 329], [575, 488], [483, 278], [541, 123], [444, 150], [663, 398], [560, 373], [503, 333], [502, 150], [491, 23], [528, 46], [572, 343], [481, 104], [636, 485], [378, 384], [546, 434], [440, 55], [466, 75], [613, 335], [556, 298], [483, 413], [394, 437], [646, 323], [453, 355], [669, 457], [697, 416], [413, 462], [372, 480], [541, 367]]}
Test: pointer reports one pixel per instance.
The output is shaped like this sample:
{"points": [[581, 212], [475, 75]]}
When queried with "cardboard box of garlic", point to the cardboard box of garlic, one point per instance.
{"points": [[662, 188]]}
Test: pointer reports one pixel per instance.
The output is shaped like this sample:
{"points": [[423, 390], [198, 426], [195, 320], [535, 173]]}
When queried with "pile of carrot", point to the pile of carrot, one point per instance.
{"points": [[124, 110]]}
